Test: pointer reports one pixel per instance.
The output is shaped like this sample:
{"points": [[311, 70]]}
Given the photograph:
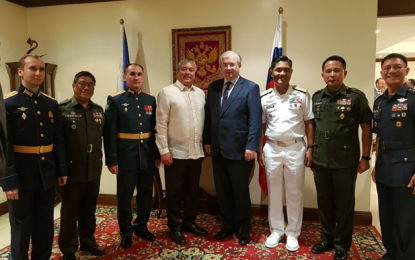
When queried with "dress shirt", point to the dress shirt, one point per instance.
{"points": [[230, 87], [180, 120]]}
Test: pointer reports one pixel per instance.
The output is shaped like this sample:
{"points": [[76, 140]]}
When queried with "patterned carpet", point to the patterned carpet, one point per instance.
{"points": [[367, 243]]}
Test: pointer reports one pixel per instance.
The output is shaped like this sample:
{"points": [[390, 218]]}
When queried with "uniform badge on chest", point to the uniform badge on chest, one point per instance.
{"points": [[51, 116], [125, 105], [149, 110]]}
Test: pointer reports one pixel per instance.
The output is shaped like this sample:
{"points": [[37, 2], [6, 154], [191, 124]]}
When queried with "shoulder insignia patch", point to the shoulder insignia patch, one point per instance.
{"points": [[47, 96], [266, 92], [117, 93], [147, 93], [65, 101], [11, 94], [355, 90], [305, 90]]}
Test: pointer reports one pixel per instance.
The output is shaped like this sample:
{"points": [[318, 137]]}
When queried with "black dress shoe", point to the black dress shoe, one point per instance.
{"points": [[244, 239], [126, 242], [340, 255], [321, 247], [146, 235], [68, 256], [177, 237], [195, 230], [95, 250], [223, 234]]}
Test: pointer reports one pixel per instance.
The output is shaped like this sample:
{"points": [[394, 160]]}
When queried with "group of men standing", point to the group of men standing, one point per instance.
{"points": [[49, 143]]}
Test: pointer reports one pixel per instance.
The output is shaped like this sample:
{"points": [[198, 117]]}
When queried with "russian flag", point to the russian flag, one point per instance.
{"points": [[275, 53], [124, 58]]}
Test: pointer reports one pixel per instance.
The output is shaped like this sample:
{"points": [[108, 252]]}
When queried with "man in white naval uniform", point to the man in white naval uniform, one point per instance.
{"points": [[286, 118]]}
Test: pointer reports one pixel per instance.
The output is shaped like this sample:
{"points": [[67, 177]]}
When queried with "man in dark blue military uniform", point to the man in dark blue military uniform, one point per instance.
{"points": [[394, 124], [131, 152], [83, 122], [36, 157], [338, 112]]}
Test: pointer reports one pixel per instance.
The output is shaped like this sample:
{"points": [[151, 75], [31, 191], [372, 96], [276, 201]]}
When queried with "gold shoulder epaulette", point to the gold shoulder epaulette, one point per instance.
{"points": [[266, 92], [305, 90], [47, 96], [147, 94], [11, 94], [117, 93]]}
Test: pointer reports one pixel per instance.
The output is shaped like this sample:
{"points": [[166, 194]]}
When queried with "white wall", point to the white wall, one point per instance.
{"points": [[86, 37], [13, 37]]}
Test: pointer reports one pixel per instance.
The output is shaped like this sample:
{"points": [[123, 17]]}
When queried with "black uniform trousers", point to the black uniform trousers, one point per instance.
{"points": [[182, 183], [127, 181], [79, 200], [232, 189], [336, 201], [397, 215], [31, 217]]}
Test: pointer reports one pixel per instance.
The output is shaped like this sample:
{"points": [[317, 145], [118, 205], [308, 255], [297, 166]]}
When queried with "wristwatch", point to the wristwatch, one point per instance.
{"points": [[367, 158]]}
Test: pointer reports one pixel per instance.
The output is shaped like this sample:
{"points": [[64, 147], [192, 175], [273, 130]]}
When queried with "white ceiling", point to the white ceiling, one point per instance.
{"points": [[396, 34]]}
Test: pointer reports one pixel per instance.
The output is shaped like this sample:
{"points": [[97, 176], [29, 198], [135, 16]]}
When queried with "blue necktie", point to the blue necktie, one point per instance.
{"points": [[226, 94]]}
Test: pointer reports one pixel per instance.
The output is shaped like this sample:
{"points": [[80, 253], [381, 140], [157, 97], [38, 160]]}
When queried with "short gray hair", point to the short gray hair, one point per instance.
{"points": [[227, 54], [184, 61]]}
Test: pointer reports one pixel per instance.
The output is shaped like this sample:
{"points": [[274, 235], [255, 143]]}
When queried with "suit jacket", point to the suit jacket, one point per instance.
{"points": [[33, 120], [238, 126], [129, 112]]}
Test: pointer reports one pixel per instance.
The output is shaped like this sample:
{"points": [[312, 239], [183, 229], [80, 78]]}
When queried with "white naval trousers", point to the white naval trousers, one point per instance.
{"points": [[285, 172]]}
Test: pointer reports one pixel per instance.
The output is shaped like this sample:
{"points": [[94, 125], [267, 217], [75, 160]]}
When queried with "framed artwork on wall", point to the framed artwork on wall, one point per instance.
{"points": [[204, 46]]}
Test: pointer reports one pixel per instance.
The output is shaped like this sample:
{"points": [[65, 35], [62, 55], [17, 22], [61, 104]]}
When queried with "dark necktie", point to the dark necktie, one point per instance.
{"points": [[226, 94]]}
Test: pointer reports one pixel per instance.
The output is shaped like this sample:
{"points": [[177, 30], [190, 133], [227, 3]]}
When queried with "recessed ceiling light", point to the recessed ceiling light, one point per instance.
{"points": [[380, 56], [377, 31]]}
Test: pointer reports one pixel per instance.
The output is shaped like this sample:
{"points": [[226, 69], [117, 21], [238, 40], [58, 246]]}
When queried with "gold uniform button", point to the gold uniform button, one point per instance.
{"points": [[142, 141], [38, 112], [405, 159], [70, 161], [345, 147], [138, 106], [136, 98], [139, 115], [141, 123], [43, 158], [41, 135], [35, 102], [41, 124]]}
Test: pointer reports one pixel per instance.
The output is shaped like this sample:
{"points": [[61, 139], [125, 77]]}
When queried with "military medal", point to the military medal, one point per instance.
{"points": [[24, 116], [73, 126], [125, 109], [348, 109], [22, 108], [341, 116], [403, 114], [376, 124], [399, 124], [402, 100], [51, 116]]}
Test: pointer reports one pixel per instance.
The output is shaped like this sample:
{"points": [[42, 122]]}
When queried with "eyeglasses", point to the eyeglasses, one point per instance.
{"points": [[395, 68], [83, 85], [225, 65]]}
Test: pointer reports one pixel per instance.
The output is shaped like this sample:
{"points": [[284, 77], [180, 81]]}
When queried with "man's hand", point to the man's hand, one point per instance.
{"points": [[308, 158], [158, 162], [62, 180], [363, 166], [261, 159], [412, 184], [166, 159], [113, 169], [249, 155], [373, 175], [207, 149], [12, 194]]}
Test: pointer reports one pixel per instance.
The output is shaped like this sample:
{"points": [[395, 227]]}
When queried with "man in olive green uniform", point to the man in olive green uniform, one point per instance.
{"points": [[83, 122], [131, 152], [338, 111]]}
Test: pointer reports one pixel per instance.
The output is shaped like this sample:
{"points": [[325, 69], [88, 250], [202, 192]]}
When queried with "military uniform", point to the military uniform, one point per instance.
{"points": [[129, 141], [82, 129], [336, 158], [36, 158], [284, 154], [394, 123]]}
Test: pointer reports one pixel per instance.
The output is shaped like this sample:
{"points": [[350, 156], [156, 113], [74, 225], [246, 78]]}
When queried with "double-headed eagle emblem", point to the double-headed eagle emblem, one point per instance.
{"points": [[205, 57]]}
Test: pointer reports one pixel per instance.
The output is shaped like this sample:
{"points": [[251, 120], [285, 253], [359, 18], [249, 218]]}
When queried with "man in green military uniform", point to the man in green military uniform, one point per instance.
{"points": [[83, 122], [131, 152], [338, 112]]}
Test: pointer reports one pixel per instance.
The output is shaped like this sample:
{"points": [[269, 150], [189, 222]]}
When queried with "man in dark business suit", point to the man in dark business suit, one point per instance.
{"points": [[231, 135]]}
